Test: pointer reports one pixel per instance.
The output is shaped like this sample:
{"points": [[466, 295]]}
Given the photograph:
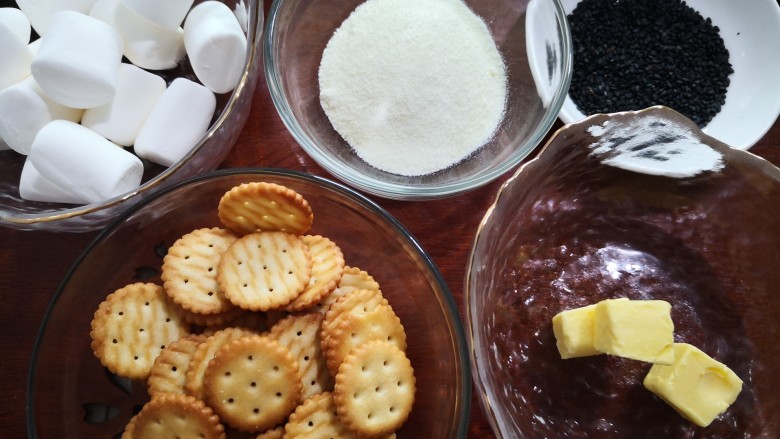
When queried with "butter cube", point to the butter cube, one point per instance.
{"points": [[636, 329], [573, 331], [697, 386]]}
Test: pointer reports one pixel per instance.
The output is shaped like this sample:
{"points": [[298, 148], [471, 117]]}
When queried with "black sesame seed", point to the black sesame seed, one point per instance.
{"points": [[633, 54]]}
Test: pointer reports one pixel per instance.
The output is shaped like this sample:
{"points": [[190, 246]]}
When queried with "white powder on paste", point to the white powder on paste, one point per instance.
{"points": [[414, 86]]}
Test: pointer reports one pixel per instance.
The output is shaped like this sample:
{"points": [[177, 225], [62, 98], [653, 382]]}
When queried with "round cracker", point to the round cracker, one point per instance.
{"points": [[374, 390], [352, 278], [252, 383], [356, 301], [189, 270], [176, 416], [264, 270], [193, 385], [131, 326], [262, 206], [353, 330], [300, 334], [327, 268], [169, 371]]}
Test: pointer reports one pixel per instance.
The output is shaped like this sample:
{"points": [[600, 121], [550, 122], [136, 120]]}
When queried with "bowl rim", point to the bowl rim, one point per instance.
{"points": [[255, 26], [484, 396], [390, 190], [450, 305]]}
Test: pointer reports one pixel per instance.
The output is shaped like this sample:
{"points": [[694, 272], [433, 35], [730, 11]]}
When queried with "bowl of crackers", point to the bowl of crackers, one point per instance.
{"points": [[623, 285], [251, 302]]}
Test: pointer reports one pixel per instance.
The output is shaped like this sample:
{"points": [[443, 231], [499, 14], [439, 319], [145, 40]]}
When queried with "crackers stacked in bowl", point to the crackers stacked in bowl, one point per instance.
{"points": [[261, 328]]}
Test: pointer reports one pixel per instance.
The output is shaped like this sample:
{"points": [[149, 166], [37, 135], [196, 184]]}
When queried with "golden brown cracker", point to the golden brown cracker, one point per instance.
{"points": [[252, 383], [381, 323], [204, 353], [189, 270], [356, 301], [174, 416], [131, 326], [327, 268], [264, 270], [374, 390], [169, 371], [300, 334], [352, 278], [316, 418], [274, 433], [262, 206]]}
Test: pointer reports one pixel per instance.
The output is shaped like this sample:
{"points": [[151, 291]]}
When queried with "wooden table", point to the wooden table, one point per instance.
{"points": [[32, 264]]}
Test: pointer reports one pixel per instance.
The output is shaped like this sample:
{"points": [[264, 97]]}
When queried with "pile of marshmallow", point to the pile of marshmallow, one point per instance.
{"points": [[71, 104]]}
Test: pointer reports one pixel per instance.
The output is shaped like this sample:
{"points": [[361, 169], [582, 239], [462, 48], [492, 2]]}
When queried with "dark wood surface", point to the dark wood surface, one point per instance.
{"points": [[32, 264]]}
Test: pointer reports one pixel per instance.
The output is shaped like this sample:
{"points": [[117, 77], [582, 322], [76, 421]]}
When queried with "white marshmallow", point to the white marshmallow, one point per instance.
{"points": [[84, 163], [35, 46], [40, 12], [14, 20], [216, 45], [24, 110], [137, 91], [104, 11], [165, 13], [16, 56], [35, 187], [179, 120], [146, 44], [78, 61]]}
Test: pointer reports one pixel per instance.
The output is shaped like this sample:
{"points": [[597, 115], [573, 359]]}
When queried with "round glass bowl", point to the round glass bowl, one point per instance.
{"points": [[70, 395], [298, 31], [580, 223], [751, 33], [229, 119]]}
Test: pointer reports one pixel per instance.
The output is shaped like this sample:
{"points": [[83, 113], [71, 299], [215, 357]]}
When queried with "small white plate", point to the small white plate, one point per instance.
{"points": [[751, 32]]}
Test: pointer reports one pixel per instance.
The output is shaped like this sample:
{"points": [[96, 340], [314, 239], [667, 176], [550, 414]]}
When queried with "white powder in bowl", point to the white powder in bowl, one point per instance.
{"points": [[414, 86]]}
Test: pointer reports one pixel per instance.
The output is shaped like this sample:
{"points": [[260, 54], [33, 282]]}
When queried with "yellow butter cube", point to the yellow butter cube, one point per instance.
{"points": [[697, 386], [573, 331], [636, 329]]}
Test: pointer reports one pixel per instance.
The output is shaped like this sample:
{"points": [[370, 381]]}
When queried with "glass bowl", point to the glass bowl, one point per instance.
{"points": [[70, 395], [229, 119], [751, 33], [605, 211], [298, 30]]}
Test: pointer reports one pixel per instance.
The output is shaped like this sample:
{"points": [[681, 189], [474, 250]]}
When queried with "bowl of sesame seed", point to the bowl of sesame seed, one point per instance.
{"points": [[714, 61]]}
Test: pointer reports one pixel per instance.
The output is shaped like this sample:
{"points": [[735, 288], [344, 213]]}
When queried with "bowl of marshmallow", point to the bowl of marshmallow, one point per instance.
{"points": [[102, 102]]}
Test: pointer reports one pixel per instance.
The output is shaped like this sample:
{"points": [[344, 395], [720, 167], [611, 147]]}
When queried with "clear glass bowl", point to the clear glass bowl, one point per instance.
{"points": [[298, 30], [569, 229], [70, 395], [229, 119]]}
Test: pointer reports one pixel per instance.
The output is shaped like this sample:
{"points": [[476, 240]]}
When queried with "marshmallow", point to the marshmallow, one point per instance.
{"points": [[179, 120], [35, 46], [104, 11], [84, 163], [216, 45], [35, 187], [78, 61], [146, 44], [137, 91], [40, 12], [14, 37], [14, 20], [166, 13], [24, 110]]}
